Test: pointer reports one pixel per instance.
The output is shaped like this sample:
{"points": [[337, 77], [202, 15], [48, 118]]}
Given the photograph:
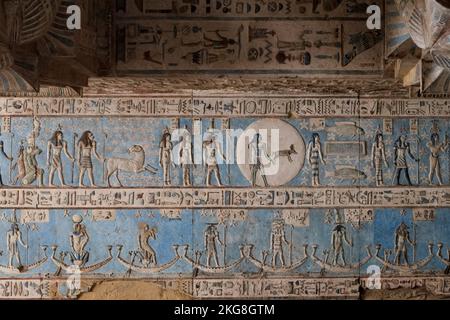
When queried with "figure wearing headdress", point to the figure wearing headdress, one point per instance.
{"points": [[402, 148], [211, 153], [277, 239], [78, 241], [379, 157], [402, 237], [315, 156], [166, 156], [186, 158], [13, 239], [55, 147], [338, 238], [436, 148], [211, 236]]}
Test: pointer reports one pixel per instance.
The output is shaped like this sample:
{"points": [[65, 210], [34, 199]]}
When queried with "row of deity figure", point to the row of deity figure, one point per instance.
{"points": [[85, 148], [340, 237], [402, 150]]}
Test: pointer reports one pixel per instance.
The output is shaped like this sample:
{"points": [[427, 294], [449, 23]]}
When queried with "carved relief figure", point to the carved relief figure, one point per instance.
{"points": [[211, 150], [165, 156], [314, 156], [136, 164], [436, 147], [401, 150], [30, 164], [338, 238], [258, 151], [378, 158], [211, 235], [56, 145], [3, 153], [13, 239], [401, 239], [277, 239], [78, 241], [86, 147], [145, 234], [186, 159], [19, 164]]}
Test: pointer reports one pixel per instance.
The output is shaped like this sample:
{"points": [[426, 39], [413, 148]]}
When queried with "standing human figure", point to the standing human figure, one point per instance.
{"points": [[210, 153], [13, 238], [378, 158], [277, 239], [314, 156], [55, 146], [436, 148], [338, 238], [165, 156], [186, 159], [211, 236], [258, 150], [401, 239], [86, 147], [401, 150]]}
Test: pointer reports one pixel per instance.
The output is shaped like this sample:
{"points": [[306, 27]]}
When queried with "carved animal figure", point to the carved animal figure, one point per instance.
{"points": [[345, 172], [136, 164], [346, 129], [286, 153]]}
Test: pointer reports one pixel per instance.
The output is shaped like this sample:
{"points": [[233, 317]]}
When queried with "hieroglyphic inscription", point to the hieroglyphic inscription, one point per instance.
{"points": [[290, 287], [281, 9], [235, 106], [34, 216], [213, 288], [423, 214], [323, 197], [27, 289], [317, 47]]}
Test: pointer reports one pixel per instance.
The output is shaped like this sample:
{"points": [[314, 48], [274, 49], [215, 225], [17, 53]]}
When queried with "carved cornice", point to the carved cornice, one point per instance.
{"points": [[127, 86]]}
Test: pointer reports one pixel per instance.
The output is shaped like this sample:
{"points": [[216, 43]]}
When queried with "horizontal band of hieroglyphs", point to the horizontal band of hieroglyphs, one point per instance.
{"points": [[309, 287], [199, 198], [183, 106], [293, 287], [28, 289]]}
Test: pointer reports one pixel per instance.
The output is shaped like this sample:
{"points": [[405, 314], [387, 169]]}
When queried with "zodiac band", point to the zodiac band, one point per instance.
{"points": [[402, 158]]}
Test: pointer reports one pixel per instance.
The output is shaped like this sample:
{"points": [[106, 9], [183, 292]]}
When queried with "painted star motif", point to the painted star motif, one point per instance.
{"points": [[304, 125], [138, 215], [423, 167], [331, 136]]}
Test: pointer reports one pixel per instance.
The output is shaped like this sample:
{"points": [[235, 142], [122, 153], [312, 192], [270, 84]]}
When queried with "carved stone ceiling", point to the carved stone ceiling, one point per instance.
{"points": [[99, 130], [303, 47]]}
